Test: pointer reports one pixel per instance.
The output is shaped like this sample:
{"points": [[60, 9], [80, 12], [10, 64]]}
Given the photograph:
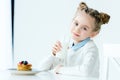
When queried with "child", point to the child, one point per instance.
{"points": [[81, 57]]}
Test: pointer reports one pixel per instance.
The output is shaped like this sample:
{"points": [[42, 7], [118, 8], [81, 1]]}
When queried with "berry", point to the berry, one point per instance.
{"points": [[25, 62], [21, 62]]}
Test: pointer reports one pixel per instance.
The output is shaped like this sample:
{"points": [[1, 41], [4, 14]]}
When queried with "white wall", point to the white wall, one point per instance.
{"points": [[39, 23]]}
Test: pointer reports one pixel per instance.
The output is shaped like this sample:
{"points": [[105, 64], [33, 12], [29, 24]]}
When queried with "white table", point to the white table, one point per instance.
{"points": [[5, 75]]}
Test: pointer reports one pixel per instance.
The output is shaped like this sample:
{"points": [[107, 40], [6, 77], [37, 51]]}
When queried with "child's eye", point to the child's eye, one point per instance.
{"points": [[85, 28], [76, 24]]}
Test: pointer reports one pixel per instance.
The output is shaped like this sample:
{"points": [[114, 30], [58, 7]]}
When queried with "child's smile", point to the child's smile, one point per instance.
{"points": [[76, 34]]}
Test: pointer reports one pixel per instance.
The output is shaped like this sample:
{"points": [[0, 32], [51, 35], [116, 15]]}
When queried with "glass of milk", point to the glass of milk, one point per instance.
{"points": [[65, 45]]}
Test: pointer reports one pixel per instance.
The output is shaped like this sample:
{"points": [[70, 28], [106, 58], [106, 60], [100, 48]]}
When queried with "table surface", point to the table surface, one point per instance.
{"points": [[6, 75]]}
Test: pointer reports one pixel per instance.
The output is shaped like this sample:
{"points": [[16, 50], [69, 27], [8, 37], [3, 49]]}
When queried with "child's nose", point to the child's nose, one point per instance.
{"points": [[77, 29]]}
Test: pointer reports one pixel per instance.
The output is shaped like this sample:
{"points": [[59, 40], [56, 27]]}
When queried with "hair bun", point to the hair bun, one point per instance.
{"points": [[104, 18], [83, 6]]}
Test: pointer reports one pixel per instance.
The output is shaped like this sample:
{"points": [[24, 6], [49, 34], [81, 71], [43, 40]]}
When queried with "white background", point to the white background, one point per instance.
{"points": [[39, 23], [5, 34]]}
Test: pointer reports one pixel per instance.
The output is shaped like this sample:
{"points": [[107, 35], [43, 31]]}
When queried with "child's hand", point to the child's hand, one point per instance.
{"points": [[57, 47]]}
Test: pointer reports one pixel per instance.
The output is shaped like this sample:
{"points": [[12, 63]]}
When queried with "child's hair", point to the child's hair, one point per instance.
{"points": [[100, 17]]}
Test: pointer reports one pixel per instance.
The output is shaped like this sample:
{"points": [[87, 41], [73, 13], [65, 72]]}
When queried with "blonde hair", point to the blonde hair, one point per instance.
{"points": [[100, 17]]}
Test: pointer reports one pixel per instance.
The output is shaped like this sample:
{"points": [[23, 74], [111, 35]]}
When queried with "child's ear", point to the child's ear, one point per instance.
{"points": [[93, 34]]}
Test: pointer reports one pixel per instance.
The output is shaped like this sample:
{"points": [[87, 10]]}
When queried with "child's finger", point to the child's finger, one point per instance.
{"points": [[58, 43]]}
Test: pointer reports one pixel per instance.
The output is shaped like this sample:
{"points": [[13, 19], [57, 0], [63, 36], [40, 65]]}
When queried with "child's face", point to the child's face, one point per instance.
{"points": [[82, 27]]}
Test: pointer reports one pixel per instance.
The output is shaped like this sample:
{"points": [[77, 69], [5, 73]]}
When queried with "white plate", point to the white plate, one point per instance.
{"points": [[15, 71]]}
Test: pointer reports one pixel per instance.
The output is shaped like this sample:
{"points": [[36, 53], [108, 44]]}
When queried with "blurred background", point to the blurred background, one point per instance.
{"points": [[38, 24]]}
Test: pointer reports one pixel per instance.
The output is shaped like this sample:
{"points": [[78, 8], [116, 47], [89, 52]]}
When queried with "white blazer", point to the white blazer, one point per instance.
{"points": [[83, 62]]}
